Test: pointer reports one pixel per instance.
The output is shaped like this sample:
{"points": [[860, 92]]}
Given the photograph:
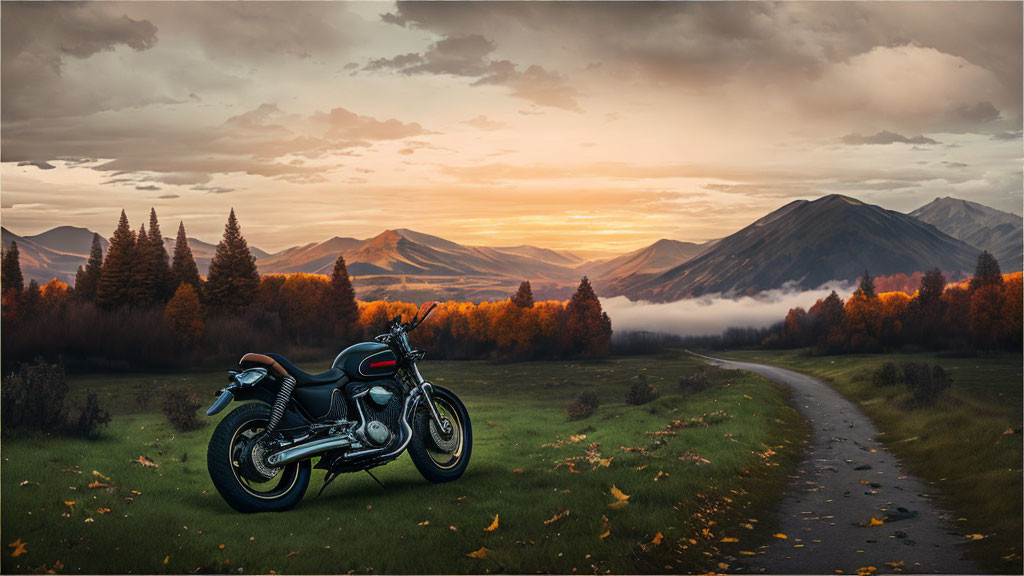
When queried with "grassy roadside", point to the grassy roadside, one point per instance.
{"points": [[961, 445], [718, 472]]}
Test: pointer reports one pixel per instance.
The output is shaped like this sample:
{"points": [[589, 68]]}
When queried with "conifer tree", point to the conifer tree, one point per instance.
{"points": [[31, 298], [161, 262], [10, 270], [523, 297], [183, 267], [867, 286], [145, 284], [184, 316], [115, 286], [341, 307], [233, 279], [589, 328], [987, 272], [87, 280]]}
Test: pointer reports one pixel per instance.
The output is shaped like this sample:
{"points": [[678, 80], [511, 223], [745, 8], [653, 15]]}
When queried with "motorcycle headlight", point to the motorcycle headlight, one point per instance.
{"points": [[251, 376]]}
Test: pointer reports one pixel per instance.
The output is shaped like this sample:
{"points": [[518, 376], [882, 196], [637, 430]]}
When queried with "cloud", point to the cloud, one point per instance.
{"points": [[148, 187], [40, 165], [1016, 135], [168, 196], [482, 122], [212, 189], [713, 314], [885, 137]]}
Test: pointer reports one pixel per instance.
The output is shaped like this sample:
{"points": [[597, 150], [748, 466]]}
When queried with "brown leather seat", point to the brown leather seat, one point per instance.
{"points": [[283, 367]]}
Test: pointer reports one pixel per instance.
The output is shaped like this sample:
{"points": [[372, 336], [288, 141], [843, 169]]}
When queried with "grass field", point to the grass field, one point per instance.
{"points": [[717, 475], [968, 445]]}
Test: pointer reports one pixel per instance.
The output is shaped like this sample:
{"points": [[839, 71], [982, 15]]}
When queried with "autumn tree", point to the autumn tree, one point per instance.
{"points": [[233, 278], [183, 316], [166, 286], [862, 317], [827, 320], [183, 267], [1013, 298], [987, 272], [926, 312], [54, 295], [523, 298], [588, 327], [796, 328], [87, 280], [10, 270], [115, 286], [340, 305]]}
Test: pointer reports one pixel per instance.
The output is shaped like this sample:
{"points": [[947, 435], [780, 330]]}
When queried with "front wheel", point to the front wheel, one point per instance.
{"points": [[442, 455], [235, 460]]}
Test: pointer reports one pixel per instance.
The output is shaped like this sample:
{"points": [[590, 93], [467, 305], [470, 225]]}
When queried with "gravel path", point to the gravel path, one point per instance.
{"points": [[845, 480]]}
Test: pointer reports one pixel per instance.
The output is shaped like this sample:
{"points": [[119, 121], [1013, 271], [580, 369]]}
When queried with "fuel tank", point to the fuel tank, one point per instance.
{"points": [[367, 361]]}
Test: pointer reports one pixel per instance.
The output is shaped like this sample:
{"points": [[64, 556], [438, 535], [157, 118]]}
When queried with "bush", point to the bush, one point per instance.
{"points": [[180, 408], [90, 418], [695, 382], [585, 405], [925, 383], [887, 374], [33, 398], [640, 392]]}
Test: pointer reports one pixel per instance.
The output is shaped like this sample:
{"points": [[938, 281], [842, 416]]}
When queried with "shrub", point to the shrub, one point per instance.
{"points": [[90, 418], [925, 383], [33, 397], [640, 392], [695, 382], [180, 408], [585, 405], [887, 374]]}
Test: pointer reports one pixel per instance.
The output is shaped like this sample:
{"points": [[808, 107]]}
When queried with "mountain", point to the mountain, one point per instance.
{"points": [[806, 244], [658, 257], [41, 263], [68, 240], [985, 228], [310, 258]]}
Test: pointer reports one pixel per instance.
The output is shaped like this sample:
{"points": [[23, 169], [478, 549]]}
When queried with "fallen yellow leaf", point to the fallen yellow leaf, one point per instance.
{"points": [[730, 539], [97, 474], [424, 523], [221, 547], [974, 536], [562, 513], [657, 539], [605, 534], [619, 504], [167, 559], [102, 511], [746, 553], [493, 526], [70, 504], [781, 535], [875, 522], [147, 463], [619, 494], [19, 547], [481, 553], [98, 484]]}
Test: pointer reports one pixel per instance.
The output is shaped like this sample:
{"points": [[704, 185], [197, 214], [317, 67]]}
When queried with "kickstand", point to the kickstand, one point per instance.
{"points": [[375, 480], [327, 480]]}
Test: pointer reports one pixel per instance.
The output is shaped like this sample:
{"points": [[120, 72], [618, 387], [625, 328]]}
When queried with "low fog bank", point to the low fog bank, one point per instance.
{"points": [[711, 315]]}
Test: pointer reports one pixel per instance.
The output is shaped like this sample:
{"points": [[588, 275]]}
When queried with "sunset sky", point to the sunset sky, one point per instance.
{"points": [[567, 125]]}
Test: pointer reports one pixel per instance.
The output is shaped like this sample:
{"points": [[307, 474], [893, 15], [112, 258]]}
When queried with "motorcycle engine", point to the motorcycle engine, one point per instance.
{"points": [[382, 408]]}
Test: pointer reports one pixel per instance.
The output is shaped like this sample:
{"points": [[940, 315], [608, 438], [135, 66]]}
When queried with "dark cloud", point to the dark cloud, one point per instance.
{"points": [[467, 55], [885, 137], [40, 165], [148, 188], [972, 115], [1007, 135], [168, 196]]}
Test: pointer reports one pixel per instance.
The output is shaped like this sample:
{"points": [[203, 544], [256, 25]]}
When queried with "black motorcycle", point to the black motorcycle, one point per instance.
{"points": [[362, 413]]}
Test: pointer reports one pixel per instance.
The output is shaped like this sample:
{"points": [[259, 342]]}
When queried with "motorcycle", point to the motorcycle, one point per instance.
{"points": [[365, 411]]}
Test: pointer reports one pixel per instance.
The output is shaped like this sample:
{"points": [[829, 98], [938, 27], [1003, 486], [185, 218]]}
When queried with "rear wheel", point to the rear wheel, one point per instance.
{"points": [[236, 464], [442, 455]]}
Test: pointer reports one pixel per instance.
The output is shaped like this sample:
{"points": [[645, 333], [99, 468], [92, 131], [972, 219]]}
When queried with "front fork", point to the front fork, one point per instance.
{"points": [[428, 392]]}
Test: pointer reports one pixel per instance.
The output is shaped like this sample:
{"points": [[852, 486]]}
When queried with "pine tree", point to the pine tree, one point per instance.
{"points": [[161, 262], [588, 327], [523, 297], [145, 284], [341, 305], [987, 272], [867, 286], [10, 270], [31, 298], [183, 268], [115, 286], [932, 286], [184, 316], [88, 279], [233, 279]]}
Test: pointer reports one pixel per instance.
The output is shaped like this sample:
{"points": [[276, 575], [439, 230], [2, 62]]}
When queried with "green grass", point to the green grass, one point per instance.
{"points": [[958, 445], [518, 413]]}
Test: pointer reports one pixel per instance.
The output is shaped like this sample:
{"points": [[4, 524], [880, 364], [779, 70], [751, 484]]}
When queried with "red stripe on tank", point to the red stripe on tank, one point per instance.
{"points": [[382, 363]]}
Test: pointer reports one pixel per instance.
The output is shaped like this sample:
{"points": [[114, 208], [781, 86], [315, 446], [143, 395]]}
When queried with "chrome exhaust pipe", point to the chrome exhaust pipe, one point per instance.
{"points": [[308, 449]]}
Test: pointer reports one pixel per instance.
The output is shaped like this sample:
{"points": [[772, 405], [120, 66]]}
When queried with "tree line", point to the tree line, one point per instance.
{"points": [[139, 307], [982, 313]]}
